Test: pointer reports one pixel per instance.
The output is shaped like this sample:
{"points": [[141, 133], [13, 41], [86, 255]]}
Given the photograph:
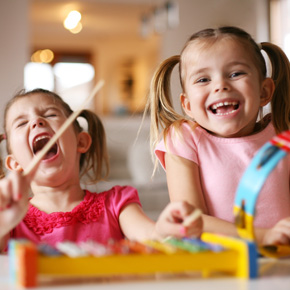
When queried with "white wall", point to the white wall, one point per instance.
{"points": [[251, 15], [14, 48]]}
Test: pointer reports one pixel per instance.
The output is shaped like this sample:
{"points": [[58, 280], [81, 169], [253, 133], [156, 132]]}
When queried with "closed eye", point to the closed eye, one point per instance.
{"points": [[50, 115], [51, 112], [21, 124]]}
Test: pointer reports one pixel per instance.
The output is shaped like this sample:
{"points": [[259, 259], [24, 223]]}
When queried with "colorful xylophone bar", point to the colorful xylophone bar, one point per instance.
{"points": [[212, 254]]}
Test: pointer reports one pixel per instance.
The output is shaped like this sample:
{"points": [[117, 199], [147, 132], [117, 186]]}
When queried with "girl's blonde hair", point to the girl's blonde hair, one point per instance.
{"points": [[95, 162], [163, 115]]}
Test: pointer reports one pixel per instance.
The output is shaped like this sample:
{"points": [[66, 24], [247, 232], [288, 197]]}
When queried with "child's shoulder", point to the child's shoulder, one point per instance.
{"points": [[118, 196], [116, 189], [183, 125], [116, 192], [182, 128]]}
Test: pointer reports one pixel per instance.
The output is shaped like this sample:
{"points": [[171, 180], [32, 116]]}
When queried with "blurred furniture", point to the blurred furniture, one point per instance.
{"points": [[131, 163]]}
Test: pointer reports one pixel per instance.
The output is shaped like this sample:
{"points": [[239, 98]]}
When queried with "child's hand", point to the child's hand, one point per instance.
{"points": [[175, 220], [14, 191], [279, 234]]}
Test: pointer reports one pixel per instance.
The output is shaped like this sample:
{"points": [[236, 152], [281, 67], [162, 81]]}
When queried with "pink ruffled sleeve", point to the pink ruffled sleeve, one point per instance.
{"points": [[120, 197]]}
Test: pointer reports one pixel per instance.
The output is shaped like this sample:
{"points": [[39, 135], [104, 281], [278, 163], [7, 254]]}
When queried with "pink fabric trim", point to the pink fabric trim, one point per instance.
{"points": [[90, 209]]}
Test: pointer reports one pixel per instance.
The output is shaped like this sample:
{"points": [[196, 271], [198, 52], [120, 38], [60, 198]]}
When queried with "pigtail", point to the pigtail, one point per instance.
{"points": [[160, 101], [280, 103], [96, 158], [2, 172]]}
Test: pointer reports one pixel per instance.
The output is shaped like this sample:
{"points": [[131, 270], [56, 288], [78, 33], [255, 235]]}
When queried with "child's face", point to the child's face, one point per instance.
{"points": [[31, 121], [222, 87]]}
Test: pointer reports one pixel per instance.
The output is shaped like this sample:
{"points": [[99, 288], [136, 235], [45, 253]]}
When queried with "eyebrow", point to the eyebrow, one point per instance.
{"points": [[239, 63], [20, 117], [204, 69]]}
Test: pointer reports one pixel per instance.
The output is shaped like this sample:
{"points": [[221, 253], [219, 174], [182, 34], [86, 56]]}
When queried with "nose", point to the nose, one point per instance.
{"points": [[221, 85], [37, 122]]}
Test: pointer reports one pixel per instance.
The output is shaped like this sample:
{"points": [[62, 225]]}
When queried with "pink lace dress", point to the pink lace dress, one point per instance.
{"points": [[95, 218]]}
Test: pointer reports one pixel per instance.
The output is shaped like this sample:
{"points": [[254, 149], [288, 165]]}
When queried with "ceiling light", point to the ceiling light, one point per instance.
{"points": [[72, 19], [77, 29], [42, 56]]}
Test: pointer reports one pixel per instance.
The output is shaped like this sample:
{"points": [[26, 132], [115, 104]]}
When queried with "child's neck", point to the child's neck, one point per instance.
{"points": [[61, 199]]}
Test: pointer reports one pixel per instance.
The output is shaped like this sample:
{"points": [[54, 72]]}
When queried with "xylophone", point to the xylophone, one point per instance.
{"points": [[210, 255]]}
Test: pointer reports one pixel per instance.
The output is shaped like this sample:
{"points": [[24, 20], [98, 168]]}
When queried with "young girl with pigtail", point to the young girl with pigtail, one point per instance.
{"points": [[225, 85], [59, 209]]}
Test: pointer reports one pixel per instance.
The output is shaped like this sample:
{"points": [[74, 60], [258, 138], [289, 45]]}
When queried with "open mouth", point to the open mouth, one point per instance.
{"points": [[224, 108], [39, 142]]}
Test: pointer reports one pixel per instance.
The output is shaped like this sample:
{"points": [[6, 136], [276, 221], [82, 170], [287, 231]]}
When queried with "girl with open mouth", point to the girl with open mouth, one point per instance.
{"points": [[59, 209]]}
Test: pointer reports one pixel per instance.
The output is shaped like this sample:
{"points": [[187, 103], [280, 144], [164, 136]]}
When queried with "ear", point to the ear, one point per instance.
{"points": [[186, 105], [267, 91], [84, 142], [12, 165]]}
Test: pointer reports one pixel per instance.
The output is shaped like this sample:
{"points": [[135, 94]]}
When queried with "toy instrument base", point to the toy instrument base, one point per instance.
{"points": [[237, 258]]}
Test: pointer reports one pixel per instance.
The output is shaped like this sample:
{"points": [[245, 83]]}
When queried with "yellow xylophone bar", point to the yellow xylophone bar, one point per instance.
{"points": [[203, 262]]}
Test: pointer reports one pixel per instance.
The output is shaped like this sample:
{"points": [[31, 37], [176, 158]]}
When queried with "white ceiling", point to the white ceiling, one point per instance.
{"points": [[100, 18]]}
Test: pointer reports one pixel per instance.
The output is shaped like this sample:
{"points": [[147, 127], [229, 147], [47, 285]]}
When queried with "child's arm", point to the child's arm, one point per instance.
{"points": [[13, 204], [183, 180], [137, 226]]}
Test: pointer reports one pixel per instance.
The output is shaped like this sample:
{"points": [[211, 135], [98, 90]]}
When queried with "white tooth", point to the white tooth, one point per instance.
{"points": [[223, 114], [221, 104], [40, 138]]}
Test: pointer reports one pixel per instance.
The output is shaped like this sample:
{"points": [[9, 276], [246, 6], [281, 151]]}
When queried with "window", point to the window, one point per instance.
{"points": [[71, 79], [280, 24]]}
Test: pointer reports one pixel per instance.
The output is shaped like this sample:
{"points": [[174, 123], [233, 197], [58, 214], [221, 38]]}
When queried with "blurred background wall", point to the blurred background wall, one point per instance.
{"points": [[121, 39]]}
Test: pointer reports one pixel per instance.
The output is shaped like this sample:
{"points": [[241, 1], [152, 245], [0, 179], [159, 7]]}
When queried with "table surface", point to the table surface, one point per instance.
{"points": [[273, 274]]}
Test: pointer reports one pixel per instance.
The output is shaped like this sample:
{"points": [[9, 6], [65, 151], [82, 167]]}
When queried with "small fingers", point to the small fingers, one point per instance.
{"points": [[277, 238], [20, 185], [11, 188], [180, 210], [6, 197], [184, 220], [279, 234]]}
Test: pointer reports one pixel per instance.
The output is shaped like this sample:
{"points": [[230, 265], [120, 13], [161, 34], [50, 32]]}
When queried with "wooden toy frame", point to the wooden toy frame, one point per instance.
{"points": [[238, 258]]}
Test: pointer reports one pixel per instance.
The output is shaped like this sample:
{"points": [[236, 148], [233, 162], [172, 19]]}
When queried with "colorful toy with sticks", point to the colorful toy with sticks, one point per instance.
{"points": [[212, 254]]}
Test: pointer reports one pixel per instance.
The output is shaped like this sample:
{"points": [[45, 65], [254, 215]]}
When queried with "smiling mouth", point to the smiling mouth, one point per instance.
{"points": [[40, 142], [224, 108]]}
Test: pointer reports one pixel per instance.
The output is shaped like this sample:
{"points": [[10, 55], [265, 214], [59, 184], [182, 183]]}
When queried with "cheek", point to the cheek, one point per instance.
{"points": [[18, 145], [68, 141]]}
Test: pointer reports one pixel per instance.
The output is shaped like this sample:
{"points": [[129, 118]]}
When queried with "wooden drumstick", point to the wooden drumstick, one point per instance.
{"points": [[192, 217], [61, 130]]}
